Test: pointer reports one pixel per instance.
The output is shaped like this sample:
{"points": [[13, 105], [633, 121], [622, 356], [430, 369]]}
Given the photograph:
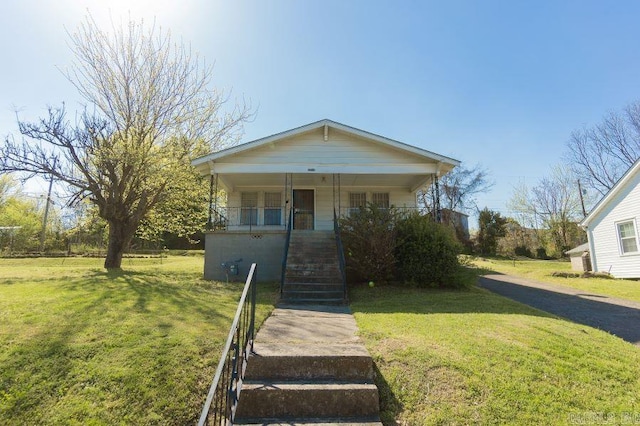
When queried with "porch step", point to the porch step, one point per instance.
{"points": [[312, 271]]}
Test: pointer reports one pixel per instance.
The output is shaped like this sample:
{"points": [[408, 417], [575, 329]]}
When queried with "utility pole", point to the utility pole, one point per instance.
{"points": [[46, 213], [584, 211]]}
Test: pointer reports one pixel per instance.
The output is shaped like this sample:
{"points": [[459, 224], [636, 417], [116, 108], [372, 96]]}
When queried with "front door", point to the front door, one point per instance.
{"points": [[303, 208]]}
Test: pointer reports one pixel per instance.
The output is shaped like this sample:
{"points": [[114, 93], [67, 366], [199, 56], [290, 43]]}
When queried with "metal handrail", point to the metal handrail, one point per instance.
{"points": [[340, 248], [286, 251], [224, 393]]}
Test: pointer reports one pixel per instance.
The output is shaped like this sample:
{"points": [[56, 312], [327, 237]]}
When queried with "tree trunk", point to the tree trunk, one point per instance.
{"points": [[120, 236]]}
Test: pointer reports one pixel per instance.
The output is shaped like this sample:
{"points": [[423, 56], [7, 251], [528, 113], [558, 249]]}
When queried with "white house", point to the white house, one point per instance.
{"points": [[612, 228], [301, 180]]}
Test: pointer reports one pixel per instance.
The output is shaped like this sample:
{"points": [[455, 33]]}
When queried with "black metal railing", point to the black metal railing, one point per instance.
{"points": [[224, 393], [340, 248], [286, 251], [401, 211], [248, 218]]}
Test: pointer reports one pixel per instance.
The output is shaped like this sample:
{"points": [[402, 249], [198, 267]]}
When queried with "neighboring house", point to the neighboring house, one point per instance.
{"points": [[579, 257], [458, 221], [303, 179], [612, 228]]}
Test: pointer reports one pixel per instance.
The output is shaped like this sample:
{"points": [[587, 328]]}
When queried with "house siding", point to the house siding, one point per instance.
{"points": [[311, 148], [604, 233]]}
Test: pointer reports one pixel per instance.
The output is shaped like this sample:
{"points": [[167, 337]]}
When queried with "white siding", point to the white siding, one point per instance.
{"points": [[311, 148], [608, 257]]}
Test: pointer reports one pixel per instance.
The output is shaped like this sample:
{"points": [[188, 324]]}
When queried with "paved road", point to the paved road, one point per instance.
{"points": [[617, 316]]}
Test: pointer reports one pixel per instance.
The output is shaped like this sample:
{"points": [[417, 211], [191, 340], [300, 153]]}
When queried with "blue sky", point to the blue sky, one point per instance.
{"points": [[499, 83]]}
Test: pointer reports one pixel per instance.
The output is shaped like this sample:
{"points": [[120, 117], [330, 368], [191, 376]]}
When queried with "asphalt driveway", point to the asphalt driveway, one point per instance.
{"points": [[617, 316]]}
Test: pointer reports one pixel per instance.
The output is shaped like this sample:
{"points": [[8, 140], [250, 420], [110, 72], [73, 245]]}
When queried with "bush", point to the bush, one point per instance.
{"points": [[523, 251], [541, 253], [427, 253], [369, 240]]}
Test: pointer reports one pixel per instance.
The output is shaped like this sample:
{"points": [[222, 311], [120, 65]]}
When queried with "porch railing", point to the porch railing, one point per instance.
{"points": [[224, 393], [341, 258], [403, 211], [247, 218]]}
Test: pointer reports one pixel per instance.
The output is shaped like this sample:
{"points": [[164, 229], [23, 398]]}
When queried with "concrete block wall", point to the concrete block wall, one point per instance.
{"points": [[264, 248]]}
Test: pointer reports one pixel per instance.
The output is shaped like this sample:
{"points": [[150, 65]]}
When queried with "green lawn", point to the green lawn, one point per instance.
{"points": [[79, 345], [541, 270], [471, 357]]}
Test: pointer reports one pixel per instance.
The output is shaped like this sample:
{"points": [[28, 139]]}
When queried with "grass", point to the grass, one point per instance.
{"points": [[542, 270], [471, 357], [79, 345]]}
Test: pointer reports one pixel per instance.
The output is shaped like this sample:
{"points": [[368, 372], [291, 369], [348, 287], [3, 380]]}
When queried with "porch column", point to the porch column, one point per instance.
{"points": [[213, 199], [288, 197], [336, 194]]}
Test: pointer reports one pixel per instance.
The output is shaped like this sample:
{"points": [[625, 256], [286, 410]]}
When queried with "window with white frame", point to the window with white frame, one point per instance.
{"points": [[273, 208], [628, 237], [380, 199], [357, 200], [248, 208]]}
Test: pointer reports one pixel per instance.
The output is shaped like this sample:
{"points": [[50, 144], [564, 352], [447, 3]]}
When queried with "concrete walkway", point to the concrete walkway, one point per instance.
{"points": [[308, 367], [620, 317]]}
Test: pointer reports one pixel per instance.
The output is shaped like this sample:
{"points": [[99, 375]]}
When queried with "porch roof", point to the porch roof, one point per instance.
{"points": [[321, 149]]}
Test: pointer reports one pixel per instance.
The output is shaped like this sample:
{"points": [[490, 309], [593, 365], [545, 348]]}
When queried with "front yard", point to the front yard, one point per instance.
{"points": [[79, 345], [472, 357]]}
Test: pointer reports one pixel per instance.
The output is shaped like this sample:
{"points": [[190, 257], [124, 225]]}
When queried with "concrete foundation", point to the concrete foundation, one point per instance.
{"points": [[264, 248]]}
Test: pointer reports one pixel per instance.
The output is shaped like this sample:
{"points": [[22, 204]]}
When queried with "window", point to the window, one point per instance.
{"points": [[380, 199], [357, 200], [628, 237], [249, 208], [273, 208]]}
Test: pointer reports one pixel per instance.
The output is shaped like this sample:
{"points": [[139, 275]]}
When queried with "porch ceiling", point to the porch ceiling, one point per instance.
{"points": [[408, 181]]}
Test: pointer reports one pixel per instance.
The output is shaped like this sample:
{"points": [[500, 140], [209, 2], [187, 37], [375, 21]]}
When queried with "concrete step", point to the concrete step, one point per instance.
{"points": [[321, 286], [324, 279], [342, 362], [304, 400], [312, 422], [315, 301], [309, 296]]}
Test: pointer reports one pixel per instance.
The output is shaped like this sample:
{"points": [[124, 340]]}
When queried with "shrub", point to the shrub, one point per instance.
{"points": [[523, 251], [427, 253], [369, 240], [541, 253]]}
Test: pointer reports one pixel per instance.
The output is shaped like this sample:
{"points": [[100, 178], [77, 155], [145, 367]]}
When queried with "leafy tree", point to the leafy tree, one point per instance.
{"points": [[601, 154], [148, 103], [20, 218], [492, 226]]}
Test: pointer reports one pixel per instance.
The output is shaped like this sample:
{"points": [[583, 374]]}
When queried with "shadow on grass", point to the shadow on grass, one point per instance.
{"points": [[132, 321], [390, 405]]}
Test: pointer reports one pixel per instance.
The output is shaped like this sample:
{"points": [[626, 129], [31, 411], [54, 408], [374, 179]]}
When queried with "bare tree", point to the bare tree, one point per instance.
{"points": [[602, 154], [458, 189], [148, 103], [553, 204]]}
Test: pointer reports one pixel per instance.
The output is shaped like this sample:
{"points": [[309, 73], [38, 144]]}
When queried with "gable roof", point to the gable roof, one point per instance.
{"points": [[578, 250], [317, 125], [611, 195]]}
